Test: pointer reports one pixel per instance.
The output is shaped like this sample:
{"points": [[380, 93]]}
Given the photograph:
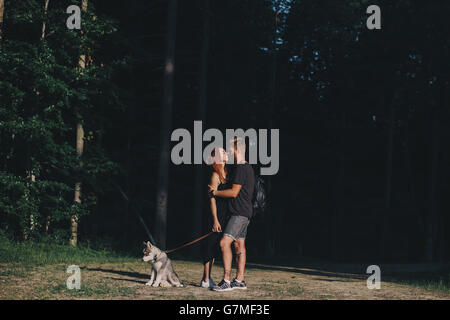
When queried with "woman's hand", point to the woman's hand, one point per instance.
{"points": [[211, 190], [217, 227]]}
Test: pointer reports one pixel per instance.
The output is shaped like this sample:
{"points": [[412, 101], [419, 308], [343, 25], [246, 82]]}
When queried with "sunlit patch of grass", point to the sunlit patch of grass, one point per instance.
{"points": [[95, 290], [435, 282], [281, 281], [30, 253], [295, 290], [7, 272], [437, 285]]}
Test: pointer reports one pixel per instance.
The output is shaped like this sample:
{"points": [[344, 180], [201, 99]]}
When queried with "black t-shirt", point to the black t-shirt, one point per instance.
{"points": [[242, 205]]}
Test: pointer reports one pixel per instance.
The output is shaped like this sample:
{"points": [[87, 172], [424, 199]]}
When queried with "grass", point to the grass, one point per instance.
{"points": [[30, 253], [30, 270], [437, 281], [44, 265], [98, 290]]}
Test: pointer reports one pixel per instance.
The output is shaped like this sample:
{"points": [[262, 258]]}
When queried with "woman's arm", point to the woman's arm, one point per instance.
{"points": [[214, 183]]}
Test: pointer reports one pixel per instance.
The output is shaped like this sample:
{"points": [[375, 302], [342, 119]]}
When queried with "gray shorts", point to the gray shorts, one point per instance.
{"points": [[236, 227]]}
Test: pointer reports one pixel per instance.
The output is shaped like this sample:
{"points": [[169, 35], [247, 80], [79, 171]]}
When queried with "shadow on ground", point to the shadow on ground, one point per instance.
{"points": [[330, 272], [138, 275], [121, 273]]}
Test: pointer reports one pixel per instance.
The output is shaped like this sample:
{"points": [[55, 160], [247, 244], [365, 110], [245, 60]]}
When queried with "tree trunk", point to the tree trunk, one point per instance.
{"points": [[200, 188], [390, 153], [166, 118], [129, 161], [412, 184], [270, 247], [80, 147], [31, 179], [77, 196], [388, 191], [47, 219], [440, 220], [30, 174], [2, 11], [43, 24], [432, 230], [339, 185]]}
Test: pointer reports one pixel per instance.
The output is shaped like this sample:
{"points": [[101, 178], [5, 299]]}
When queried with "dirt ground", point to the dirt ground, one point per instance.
{"points": [[126, 281]]}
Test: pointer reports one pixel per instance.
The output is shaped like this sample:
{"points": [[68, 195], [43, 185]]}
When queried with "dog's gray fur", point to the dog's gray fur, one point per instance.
{"points": [[162, 270]]}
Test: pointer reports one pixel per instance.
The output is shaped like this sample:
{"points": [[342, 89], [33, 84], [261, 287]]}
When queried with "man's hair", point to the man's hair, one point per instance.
{"points": [[238, 144]]}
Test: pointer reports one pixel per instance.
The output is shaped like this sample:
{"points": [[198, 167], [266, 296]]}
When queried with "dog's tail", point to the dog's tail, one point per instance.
{"points": [[177, 278]]}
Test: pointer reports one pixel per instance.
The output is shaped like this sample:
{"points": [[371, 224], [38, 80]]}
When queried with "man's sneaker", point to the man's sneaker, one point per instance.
{"points": [[208, 284], [223, 286], [236, 284]]}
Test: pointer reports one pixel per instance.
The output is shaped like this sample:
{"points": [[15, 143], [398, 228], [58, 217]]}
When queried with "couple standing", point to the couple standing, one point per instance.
{"points": [[230, 197]]}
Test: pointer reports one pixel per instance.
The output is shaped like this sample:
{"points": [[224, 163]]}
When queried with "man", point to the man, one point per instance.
{"points": [[241, 210]]}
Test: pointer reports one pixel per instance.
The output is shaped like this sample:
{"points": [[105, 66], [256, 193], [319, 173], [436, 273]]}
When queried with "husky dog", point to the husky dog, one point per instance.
{"points": [[162, 270]]}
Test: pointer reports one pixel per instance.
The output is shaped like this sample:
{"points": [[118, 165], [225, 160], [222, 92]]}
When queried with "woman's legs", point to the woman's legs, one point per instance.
{"points": [[207, 269], [211, 250]]}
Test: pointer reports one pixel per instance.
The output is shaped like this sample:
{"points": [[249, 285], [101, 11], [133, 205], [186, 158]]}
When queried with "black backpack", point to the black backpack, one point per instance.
{"points": [[259, 196]]}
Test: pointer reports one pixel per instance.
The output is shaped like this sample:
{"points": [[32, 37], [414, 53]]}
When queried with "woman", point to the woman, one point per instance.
{"points": [[219, 214]]}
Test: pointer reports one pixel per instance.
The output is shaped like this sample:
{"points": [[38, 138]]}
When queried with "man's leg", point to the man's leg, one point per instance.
{"points": [[236, 252], [227, 256], [241, 258], [231, 233]]}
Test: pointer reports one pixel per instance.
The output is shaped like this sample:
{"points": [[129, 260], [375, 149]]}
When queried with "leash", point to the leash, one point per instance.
{"points": [[189, 243], [146, 229], [135, 210]]}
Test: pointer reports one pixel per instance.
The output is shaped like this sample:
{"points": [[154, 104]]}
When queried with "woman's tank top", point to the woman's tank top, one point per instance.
{"points": [[222, 204]]}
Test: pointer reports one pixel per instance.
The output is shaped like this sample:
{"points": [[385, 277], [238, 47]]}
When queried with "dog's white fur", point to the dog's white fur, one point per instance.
{"points": [[162, 270]]}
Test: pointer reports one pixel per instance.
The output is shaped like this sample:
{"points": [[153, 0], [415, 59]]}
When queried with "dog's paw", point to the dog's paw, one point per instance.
{"points": [[148, 283], [155, 285]]}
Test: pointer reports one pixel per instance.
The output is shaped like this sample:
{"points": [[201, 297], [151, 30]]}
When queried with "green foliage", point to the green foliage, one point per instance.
{"points": [[43, 95]]}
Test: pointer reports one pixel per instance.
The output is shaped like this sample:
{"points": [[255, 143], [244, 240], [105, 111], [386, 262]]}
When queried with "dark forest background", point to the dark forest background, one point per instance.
{"points": [[363, 118]]}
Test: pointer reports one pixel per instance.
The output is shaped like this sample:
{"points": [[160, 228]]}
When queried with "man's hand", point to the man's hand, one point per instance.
{"points": [[217, 227]]}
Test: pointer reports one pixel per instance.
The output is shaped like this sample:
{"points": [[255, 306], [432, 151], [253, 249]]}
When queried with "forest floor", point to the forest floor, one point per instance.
{"points": [[126, 279]]}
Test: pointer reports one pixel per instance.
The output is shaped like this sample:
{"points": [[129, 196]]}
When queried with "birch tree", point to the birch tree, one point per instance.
{"points": [[79, 148], [2, 11]]}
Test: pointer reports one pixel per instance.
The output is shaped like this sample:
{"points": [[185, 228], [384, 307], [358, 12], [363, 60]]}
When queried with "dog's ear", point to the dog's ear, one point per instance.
{"points": [[149, 244], [144, 243]]}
